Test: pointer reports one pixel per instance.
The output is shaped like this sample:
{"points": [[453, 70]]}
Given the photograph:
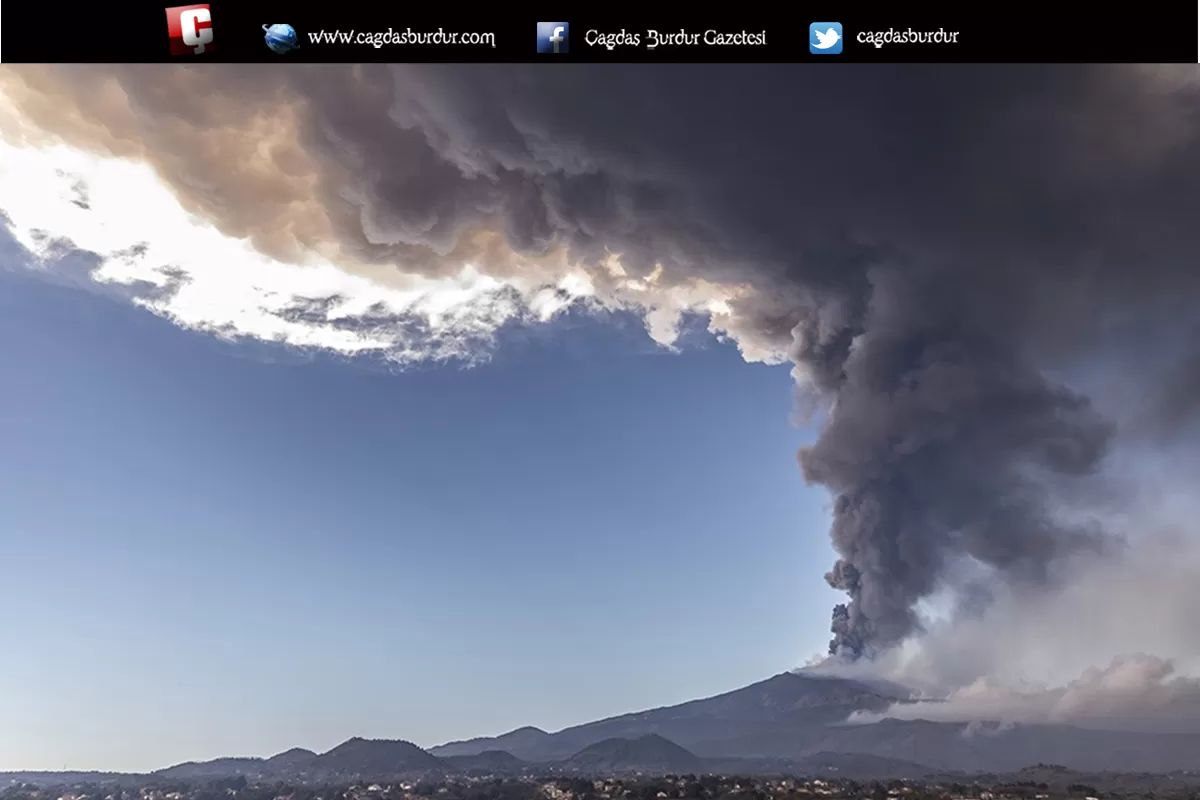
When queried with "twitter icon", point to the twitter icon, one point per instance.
{"points": [[825, 38]]}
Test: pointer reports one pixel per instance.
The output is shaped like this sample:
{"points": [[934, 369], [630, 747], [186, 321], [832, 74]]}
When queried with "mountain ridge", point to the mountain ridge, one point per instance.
{"points": [[793, 716], [649, 753], [779, 700], [786, 723]]}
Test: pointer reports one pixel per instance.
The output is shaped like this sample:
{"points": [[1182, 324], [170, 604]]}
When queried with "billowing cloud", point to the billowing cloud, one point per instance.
{"points": [[1113, 644], [934, 249], [133, 232], [1137, 692]]}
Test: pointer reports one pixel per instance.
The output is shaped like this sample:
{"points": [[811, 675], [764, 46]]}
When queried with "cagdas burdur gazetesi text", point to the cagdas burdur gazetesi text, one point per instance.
{"points": [[653, 38]]}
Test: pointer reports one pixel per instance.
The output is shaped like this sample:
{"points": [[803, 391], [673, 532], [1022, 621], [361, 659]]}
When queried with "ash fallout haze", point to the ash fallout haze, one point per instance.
{"points": [[979, 285]]}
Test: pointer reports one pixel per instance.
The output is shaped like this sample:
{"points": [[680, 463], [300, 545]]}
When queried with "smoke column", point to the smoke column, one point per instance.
{"points": [[935, 249], [935, 449]]}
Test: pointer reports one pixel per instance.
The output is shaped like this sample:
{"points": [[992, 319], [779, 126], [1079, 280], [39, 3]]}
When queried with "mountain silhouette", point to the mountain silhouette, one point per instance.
{"points": [[522, 740], [376, 758], [793, 722], [649, 753], [489, 761], [764, 719]]}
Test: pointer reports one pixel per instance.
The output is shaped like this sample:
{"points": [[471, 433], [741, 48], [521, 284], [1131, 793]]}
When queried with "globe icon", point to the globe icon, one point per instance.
{"points": [[281, 38]]}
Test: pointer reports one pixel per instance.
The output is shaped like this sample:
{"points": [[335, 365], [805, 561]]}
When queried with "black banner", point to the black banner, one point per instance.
{"points": [[244, 31]]}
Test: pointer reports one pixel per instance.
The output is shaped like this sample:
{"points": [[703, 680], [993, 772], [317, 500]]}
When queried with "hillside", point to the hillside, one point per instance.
{"points": [[493, 761], [356, 757], [217, 768], [522, 740], [794, 717], [295, 759], [760, 720], [954, 746], [650, 753], [793, 723], [376, 758]]}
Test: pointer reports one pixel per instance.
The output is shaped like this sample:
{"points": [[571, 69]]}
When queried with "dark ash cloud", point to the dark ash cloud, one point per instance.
{"points": [[932, 247], [1178, 397]]}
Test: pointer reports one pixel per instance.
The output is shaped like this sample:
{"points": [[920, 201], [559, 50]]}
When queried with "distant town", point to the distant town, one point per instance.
{"points": [[1042, 782]]}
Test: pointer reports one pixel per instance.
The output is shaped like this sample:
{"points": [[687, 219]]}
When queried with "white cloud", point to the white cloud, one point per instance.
{"points": [[1031, 656], [185, 270], [1134, 692], [143, 236]]}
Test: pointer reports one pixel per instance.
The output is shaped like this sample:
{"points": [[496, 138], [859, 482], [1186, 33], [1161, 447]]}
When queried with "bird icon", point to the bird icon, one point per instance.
{"points": [[826, 39]]}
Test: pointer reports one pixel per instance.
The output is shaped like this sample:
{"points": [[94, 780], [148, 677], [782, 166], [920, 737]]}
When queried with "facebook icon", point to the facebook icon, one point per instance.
{"points": [[553, 37]]}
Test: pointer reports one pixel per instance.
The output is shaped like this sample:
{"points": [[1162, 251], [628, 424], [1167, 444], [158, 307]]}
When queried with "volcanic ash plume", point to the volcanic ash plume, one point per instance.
{"points": [[940, 446], [944, 254]]}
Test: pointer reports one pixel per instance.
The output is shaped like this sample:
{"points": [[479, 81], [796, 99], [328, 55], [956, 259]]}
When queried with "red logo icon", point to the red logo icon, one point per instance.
{"points": [[190, 30]]}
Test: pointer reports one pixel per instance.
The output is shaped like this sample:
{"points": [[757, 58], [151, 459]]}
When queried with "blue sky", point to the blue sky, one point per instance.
{"points": [[210, 548]]}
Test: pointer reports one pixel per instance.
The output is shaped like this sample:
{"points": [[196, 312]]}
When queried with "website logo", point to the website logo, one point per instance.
{"points": [[190, 30], [553, 37], [281, 38], [825, 38]]}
